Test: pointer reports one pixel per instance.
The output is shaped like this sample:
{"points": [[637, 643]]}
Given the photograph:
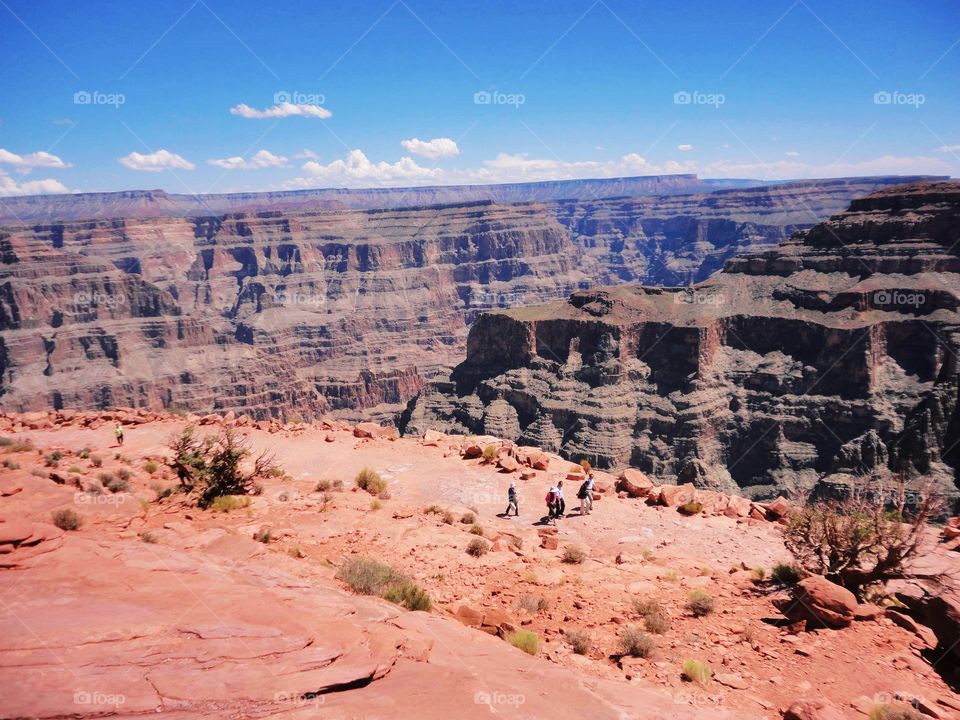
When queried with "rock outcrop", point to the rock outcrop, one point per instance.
{"points": [[835, 350]]}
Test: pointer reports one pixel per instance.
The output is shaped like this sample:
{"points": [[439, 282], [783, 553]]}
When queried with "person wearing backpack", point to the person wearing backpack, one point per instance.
{"points": [[561, 503], [552, 504], [118, 433], [512, 500], [586, 495]]}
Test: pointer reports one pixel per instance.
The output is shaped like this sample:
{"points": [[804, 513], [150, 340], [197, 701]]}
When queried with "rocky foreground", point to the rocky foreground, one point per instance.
{"points": [[831, 356], [155, 606], [277, 310]]}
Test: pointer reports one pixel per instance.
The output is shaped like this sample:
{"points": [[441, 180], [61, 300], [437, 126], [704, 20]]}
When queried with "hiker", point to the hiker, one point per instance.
{"points": [[553, 504], [512, 500], [586, 495], [561, 503], [118, 432]]}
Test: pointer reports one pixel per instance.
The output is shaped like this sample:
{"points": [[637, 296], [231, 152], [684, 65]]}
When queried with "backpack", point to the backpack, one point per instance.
{"points": [[551, 498], [582, 492]]}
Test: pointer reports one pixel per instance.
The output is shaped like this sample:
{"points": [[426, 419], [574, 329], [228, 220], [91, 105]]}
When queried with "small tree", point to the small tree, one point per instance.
{"points": [[862, 539]]}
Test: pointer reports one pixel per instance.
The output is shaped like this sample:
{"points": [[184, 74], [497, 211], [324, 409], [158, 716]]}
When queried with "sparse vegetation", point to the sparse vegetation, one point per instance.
{"points": [[525, 640], [447, 518], [215, 466], [477, 547], [84, 453], [16, 446], [699, 603], [226, 503], [656, 623], [369, 577], [786, 574], [433, 510], [691, 508], [10, 464], [124, 474], [150, 467], [468, 518], [696, 672], [636, 643], [671, 576], [52, 459], [149, 537], [370, 481], [533, 604], [330, 485], [67, 519], [580, 642], [375, 504], [647, 606], [573, 555], [896, 711], [585, 464], [263, 535], [476, 530], [74, 469], [96, 461], [490, 453], [114, 484], [759, 574]]}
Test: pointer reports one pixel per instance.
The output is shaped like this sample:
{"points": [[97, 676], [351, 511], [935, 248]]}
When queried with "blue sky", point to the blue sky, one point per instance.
{"points": [[109, 96]]}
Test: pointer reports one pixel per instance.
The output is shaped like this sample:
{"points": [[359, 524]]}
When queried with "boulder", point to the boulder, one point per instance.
{"points": [[433, 438], [779, 508], [911, 625], [634, 483], [820, 603], [813, 709], [472, 449], [737, 506], [676, 495], [538, 460], [707, 477], [507, 463], [372, 430]]}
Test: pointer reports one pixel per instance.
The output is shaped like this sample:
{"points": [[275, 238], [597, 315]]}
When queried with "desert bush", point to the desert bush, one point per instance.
{"points": [[67, 519], [476, 530], [96, 461], [84, 453], [696, 672], [699, 603], [124, 474], [263, 535], [16, 446], [330, 485], [691, 508], [705, 572], [580, 642], [105, 478], [636, 643], [647, 606], [370, 481], [525, 640], [573, 554], [671, 576], [657, 623], [433, 510], [226, 503], [786, 574], [896, 711], [74, 469], [215, 466], [447, 518], [375, 504], [533, 604], [468, 518], [150, 467], [477, 547], [409, 595], [490, 453], [585, 464], [52, 459], [148, 536], [10, 464], [862, 540], [759, 574], [115, 484]]}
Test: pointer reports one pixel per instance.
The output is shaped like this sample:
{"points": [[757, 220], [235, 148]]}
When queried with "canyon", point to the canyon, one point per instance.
{"points": [[831, 355], [286, 312]]}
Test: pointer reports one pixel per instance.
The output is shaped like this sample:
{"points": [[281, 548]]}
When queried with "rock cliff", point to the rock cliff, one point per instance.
{"points": [[833, 352], [284, 313]]}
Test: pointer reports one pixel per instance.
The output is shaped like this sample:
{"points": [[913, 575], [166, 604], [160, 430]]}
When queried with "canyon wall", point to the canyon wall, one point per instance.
{"points": [[287, 313], [835, 352]]}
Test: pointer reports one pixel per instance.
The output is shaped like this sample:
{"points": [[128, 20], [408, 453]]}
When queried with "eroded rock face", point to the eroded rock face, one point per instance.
{"points": [[834, 351], [287, 311]]}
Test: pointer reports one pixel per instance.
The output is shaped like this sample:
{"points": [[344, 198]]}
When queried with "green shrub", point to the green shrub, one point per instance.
{"points": [[477, 547], [636, 643], [468, 518], [226, 503], [691, 508], [370, 481], [525, 640], [409, 595], [490, 453], [657, 623], [74, 469], [369, 577], [697, 672], [786, 574], [580, 642], [699, 603], [476, 530], [67, 519], [573, 554], [150, 467]]}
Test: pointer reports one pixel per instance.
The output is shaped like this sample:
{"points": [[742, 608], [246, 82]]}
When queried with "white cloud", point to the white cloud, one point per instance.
{"points": [[281, 110], [435, 149], [156, 161], [260, 159], [685, 147], [8, 186], [307, 154], [792, 153], [948, 148], [356, 170], [33, 160]]}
